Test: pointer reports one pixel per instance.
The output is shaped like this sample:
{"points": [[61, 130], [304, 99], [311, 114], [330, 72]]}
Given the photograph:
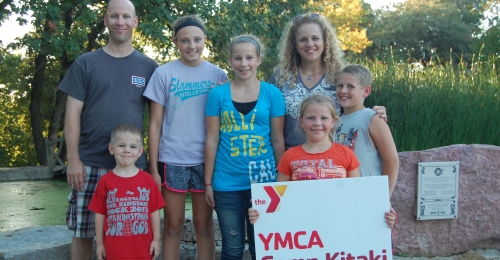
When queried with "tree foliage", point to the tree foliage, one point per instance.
{"points": [[425, 29], [5, 8], [265, 19], [15, 145], [487, 44], [348, 18]]}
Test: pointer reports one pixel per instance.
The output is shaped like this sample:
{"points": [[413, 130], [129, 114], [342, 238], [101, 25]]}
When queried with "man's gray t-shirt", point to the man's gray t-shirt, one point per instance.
{"points": [[111, 90]]}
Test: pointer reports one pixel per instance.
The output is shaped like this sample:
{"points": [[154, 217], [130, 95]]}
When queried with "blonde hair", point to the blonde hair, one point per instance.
{"points": [[126, 129], [248, 38], [323, 100], [290, 59], [361, 73]]}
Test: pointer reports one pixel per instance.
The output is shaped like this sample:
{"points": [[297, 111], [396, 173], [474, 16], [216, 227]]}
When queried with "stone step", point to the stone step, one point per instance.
{"points": [[26, 173]]}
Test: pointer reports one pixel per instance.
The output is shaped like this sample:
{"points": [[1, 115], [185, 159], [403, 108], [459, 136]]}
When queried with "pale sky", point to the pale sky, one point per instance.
{"points": [[376, 4], [9, 29]]}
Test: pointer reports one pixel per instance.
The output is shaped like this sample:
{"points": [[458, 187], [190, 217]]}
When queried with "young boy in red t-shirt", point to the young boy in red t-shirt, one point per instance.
{"points": [[126, 203]]}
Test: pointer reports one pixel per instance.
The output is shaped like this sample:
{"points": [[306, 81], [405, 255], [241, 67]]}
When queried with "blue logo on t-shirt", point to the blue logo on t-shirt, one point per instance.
{"points": [[185, 90], [139, 81]]}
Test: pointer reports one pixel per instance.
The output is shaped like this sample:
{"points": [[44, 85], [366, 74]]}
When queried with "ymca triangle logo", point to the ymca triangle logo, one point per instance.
{"points": [[275, 193]]}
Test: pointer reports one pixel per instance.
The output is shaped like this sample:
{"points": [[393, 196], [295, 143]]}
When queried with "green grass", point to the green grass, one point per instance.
{"points": [[440, 105]]}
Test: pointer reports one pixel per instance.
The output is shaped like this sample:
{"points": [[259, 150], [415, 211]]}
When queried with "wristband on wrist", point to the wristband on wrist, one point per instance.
{"points": [[206, 185]]}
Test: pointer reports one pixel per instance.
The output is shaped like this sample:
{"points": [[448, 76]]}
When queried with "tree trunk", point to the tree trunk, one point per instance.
{"points": [[55, 126], [57, 114], [56, 121], [37, 93], [35, 108]]}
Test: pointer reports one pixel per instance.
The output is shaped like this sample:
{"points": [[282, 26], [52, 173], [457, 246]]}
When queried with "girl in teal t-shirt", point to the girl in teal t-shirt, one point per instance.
{"points": [[244, 143]]}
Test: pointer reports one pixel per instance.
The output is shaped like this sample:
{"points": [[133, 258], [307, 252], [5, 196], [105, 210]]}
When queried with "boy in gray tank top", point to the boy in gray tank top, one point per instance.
{"points": [[367, 135]]}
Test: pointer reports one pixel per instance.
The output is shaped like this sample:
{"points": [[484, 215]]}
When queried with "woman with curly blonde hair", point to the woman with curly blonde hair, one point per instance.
{"points": [[310, 58]]}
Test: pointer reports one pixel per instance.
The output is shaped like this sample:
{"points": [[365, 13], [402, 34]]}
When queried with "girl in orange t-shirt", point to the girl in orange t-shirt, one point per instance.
{"points": [[319, 157]]}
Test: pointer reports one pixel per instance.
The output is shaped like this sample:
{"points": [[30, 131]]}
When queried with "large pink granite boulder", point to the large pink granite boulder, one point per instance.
{"points": [[478, 223]]}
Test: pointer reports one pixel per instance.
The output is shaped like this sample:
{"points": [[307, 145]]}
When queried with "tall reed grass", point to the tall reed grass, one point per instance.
{"points": [[438, 105]]}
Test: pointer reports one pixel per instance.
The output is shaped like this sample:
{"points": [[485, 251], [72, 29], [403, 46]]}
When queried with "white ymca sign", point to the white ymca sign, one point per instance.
{"points": [[335, 219]]}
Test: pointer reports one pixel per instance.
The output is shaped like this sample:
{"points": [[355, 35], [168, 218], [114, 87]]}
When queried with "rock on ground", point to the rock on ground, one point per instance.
{"points": [[478, 223]]}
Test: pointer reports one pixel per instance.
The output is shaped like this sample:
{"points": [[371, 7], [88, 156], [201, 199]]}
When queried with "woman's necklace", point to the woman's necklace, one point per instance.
{"points": [[309, 77]]}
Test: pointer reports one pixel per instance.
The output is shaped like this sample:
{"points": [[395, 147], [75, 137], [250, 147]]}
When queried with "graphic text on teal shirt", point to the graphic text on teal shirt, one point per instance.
{"points": [[245, 144]]}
